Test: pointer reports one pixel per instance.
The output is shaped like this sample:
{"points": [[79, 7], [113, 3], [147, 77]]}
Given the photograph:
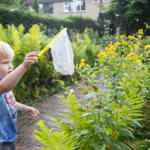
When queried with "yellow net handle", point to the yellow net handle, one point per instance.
{"points": [[47, 46]]}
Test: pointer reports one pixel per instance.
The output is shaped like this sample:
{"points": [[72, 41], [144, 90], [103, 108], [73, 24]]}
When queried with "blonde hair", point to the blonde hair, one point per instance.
{"points": [[6, 51]]}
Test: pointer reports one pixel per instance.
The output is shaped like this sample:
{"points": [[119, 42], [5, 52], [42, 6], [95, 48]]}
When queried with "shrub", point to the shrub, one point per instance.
{"points": [[17, 17]]}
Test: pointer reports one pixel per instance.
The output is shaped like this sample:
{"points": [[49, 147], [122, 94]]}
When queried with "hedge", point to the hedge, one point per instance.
{"points": [[27, 18]]}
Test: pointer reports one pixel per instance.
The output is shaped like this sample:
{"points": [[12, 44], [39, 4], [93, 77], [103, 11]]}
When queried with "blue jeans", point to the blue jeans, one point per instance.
{"points": [[8, 146]]}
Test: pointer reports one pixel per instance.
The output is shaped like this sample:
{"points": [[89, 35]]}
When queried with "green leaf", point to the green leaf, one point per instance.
{"points": [[135, 122], [83, 132], [95, 146], [126, 132], [85, 90], [87, 114]]}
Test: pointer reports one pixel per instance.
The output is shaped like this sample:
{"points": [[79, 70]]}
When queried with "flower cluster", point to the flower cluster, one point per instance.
{"points": [[140, 32], [147, 47], [82, 63], [101, 55], [133, 57], [127, 48]]}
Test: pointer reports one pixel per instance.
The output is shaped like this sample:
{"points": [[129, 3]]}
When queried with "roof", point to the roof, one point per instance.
{"points": [[29, 2]]}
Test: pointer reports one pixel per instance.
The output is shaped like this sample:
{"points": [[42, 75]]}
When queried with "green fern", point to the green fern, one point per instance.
{"points": [[140, 144], [54, 140], [3, 36]]}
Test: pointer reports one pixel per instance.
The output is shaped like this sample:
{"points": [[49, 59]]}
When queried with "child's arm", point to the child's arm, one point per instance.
{"points": [[10, 81], [31, 110]]}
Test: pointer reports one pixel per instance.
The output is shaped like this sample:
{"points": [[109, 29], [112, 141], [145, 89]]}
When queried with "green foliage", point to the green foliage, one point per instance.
{"points": [[57, 140], [35, 6], [85, 47], [110, 112], [40, 78], [140, 144], [28, 19], [126, 14], [10, 2]]}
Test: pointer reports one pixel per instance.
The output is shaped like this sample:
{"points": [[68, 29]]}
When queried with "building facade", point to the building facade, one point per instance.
{"points": [[65, 8]]}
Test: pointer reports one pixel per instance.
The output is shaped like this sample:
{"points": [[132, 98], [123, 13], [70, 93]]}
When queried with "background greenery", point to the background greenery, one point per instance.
{"points": [[27, 18], [128, 15]]}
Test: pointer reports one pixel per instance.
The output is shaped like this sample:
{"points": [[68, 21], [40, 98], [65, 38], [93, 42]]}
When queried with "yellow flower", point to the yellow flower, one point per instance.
{"points": [[107, 48], [140, 31], [112, 48], [147, 47], [123, 66], [136, 46], [131, 37], [85, 30], [113, 54], [102, 54], [124, 42], [130, 56], [139, 36], [81, 63], [138, 43], [139, 61], [122, 36], [82, 60], [145, 72], [131, 49], [78, 39], [110, 43], [117, 44], [133, 57]]}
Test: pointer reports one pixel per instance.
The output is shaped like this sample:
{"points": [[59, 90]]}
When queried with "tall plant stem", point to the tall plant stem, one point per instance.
{"points": [[129, 145]]}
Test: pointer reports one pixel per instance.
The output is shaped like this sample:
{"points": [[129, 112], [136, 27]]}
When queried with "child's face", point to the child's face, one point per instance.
{"points": [[5, 67]]}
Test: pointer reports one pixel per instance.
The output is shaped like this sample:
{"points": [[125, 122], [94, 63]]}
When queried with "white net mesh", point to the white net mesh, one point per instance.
{"points": [[62, 54]]}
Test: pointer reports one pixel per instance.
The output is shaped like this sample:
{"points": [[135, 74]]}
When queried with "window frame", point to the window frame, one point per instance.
{"points": [[64, 9], [80, 6], [74, 7], [106, 1], [98, 1]]}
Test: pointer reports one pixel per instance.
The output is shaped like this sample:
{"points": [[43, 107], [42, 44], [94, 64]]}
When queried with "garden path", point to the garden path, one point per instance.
{"points": [[49, 105]]}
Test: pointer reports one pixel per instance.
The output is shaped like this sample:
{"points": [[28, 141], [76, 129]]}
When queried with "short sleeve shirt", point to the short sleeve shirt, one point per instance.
{"points": [[8, 117]]}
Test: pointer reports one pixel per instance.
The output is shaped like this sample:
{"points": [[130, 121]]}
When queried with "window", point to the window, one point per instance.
{"points": [[68, 7], [79, 5], [95, 1], [41, 6], [106, 1], [75, 6], [48, 8]]}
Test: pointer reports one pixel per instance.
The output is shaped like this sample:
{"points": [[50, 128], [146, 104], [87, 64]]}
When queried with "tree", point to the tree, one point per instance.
{"points": [[35, 6], [129, 15]]}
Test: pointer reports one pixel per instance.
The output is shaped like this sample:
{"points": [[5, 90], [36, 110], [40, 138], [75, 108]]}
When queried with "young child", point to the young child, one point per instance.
{"points": [[8, 105]]}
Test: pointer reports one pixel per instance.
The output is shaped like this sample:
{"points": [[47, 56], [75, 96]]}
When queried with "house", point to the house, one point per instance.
{"points": [[65, 8]]}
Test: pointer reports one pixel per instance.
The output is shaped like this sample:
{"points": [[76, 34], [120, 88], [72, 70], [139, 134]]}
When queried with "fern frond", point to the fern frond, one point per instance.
{"points": [[54, 140]]}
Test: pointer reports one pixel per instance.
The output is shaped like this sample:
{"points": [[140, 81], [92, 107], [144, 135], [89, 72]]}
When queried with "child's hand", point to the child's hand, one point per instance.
{"points": [[30, 59], [32, 111]]}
